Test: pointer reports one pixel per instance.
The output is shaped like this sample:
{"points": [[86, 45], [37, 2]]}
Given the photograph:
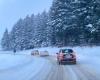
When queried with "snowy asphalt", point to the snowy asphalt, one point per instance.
{"points": [[46, 68]]}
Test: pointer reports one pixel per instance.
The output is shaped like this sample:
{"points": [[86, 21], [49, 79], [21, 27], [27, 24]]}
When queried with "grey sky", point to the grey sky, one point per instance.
{"points": [[12, 10]]}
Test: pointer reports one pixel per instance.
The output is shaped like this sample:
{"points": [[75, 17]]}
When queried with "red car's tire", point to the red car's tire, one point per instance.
{"points": [[59, 62], [74, 62]]}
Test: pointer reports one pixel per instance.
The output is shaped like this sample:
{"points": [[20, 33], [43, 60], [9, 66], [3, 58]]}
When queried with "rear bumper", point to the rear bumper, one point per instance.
{"points": [[68, 61], [44, 55]]}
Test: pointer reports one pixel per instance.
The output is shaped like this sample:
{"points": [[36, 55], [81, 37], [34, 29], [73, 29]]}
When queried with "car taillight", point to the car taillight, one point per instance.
{"points": [[74, 56], [62, 56]]}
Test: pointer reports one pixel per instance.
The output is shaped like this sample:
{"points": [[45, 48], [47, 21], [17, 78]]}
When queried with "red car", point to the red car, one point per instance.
{"points": [[66, 56]]}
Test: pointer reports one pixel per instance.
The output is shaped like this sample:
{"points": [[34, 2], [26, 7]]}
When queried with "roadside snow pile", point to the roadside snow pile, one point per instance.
{"points": [[24, 52], [9, 60], [6, 52], [89, 56], [23, 67], [92, 51]]}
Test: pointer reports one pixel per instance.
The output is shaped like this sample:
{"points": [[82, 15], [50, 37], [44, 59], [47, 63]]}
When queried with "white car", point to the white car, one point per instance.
{"points": [[44, 53], [35, 52]]}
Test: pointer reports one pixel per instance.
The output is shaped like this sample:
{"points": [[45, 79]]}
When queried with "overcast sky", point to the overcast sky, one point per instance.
{"points": [[12, 10]]}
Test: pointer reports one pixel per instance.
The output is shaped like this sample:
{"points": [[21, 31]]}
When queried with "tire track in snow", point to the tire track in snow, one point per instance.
{"points": [[70, 72], [79, 72], [43, 72], [90, 74], [23, 71], [57, 71]]}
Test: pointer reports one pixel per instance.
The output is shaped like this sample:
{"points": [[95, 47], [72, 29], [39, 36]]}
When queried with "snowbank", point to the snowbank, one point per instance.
{"points": [[22, 67], [8, 60]]}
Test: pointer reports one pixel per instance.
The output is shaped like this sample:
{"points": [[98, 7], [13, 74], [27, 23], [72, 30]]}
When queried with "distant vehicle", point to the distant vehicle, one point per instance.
{"points": [[35, 52], [66, 56], [44, 53]]}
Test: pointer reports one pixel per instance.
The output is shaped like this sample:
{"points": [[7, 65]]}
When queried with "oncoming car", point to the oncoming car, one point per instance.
{"points": [[66, 56]]}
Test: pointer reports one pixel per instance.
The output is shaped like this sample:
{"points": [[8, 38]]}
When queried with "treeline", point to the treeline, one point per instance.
{"points": [[68, 23], [27, 33]]}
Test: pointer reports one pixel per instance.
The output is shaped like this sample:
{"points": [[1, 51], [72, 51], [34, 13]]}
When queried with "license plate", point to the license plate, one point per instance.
{"points": [[68, 56]]}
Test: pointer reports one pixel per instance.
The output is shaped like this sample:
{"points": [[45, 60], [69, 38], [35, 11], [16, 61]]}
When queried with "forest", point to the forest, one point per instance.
{"points": [[67, 23]]}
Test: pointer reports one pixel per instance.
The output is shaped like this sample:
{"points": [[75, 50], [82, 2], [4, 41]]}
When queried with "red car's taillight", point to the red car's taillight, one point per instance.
{"points": [[74, 56]]}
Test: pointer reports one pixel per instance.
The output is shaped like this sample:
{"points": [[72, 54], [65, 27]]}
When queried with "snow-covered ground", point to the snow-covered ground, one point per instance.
{"points": [[20, 67], [8, 60], [23, 66], [89, 56]]}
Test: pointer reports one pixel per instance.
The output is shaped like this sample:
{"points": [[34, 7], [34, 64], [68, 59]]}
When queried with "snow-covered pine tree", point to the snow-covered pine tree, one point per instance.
{"points": [[37, 31], [17, 35], [31, 44], [5, 42], [40, 26], [95, 19], [87, 15], [49, 31], [60, 17], [28, 29], [44, 20], [30, 32]]}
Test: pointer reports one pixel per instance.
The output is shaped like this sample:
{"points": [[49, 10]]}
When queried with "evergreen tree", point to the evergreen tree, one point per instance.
{"points": [[37, 31], [17, 35], [69, 22], [44, 20], [87, 14], [73, 21], [5, 43], [28, 29], [40, 29], [61, 18]]}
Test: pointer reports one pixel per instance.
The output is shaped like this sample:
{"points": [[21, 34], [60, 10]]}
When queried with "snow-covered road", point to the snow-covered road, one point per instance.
{"points": [[79, 71], [27, 67], [22, 67]]}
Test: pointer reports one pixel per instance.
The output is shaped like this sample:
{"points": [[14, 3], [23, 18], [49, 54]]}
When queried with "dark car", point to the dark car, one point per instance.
{"points": [[66, 56]]}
